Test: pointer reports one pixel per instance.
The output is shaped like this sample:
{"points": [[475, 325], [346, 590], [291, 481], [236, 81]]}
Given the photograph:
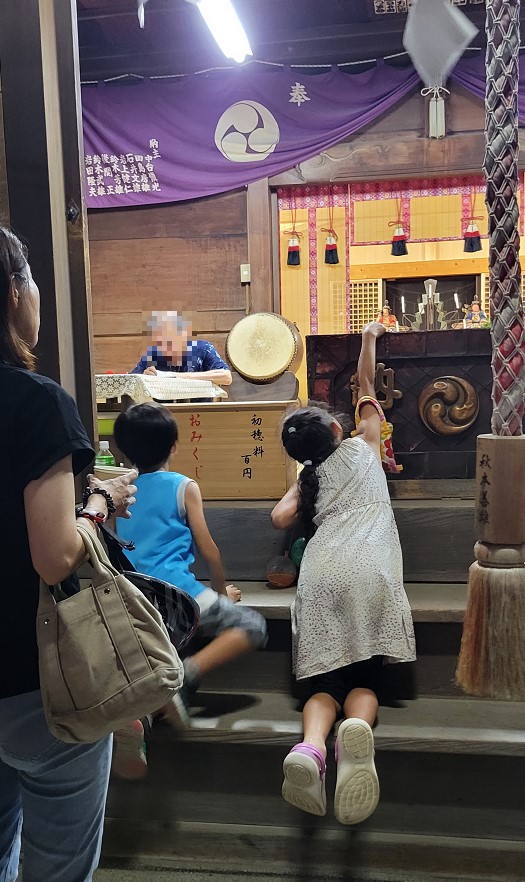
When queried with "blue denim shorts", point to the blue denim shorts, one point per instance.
{"points": [[223, 614]]}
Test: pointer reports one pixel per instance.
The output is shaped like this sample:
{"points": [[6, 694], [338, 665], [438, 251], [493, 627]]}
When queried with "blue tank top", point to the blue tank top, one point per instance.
{"points": [[158, 527]]}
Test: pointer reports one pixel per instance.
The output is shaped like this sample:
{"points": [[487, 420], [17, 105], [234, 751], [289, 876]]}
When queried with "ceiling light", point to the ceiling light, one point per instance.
{"points": [[225, 26]]}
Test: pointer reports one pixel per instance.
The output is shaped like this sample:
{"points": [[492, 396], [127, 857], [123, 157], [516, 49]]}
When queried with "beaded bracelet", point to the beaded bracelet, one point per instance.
{"points": [[91, 491]]}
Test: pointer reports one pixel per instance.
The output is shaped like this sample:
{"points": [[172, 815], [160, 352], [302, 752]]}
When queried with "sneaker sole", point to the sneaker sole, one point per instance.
{"points": [[357, 789], [302, 786], [129, 754]]}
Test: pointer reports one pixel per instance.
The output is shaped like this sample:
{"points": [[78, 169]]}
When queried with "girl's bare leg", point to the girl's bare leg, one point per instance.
{"points": [[361, 704], [319, 715]]}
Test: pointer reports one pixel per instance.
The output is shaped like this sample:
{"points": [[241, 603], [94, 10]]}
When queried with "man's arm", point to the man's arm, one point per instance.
{"points": [[220, 377]]}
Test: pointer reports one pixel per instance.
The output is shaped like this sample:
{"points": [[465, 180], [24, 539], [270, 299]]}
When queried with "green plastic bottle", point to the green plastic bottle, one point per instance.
{"points": [[104, 456]]}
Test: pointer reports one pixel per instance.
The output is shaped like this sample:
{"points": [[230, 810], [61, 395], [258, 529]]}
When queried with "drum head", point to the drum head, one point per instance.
{"points": [[262, 346]]}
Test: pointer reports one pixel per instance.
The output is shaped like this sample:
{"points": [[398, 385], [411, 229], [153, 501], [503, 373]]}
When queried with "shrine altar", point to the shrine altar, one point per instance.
{"points": [[437, 386]]}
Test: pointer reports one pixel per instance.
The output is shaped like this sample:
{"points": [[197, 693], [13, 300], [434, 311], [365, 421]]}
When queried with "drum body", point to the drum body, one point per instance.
{"points": [[262, 346]]}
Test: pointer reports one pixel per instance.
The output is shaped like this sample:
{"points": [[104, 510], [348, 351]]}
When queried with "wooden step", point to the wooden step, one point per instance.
{"points": [[437, 609], [429, 601], [446, 768], [437, 537], [427, 725], [181, 851]]}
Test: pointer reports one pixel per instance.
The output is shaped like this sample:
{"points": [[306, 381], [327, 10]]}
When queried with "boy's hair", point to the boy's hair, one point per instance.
{"points": [[146, 433]]}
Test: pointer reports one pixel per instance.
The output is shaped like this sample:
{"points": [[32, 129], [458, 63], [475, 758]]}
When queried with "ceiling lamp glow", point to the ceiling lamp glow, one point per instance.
{"points": [[225, 26]]}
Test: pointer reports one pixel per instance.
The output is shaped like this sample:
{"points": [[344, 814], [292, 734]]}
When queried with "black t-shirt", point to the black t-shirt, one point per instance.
{"points": [[39, 425]]}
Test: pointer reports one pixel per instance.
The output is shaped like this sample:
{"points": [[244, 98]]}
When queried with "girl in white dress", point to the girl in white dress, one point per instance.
{"points": [[351, 614]]}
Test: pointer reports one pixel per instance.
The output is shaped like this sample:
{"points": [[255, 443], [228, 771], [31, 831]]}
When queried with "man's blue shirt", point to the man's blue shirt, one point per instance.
{"points": [[199, 356]]}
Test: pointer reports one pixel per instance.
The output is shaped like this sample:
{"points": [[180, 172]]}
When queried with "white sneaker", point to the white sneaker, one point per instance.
{"points": [[175, 712], [304, 779], [129, 752], [357, 787]]}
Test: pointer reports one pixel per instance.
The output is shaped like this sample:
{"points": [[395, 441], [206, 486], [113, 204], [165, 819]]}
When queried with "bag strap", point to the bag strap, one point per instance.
{"points": [[96, 551]]}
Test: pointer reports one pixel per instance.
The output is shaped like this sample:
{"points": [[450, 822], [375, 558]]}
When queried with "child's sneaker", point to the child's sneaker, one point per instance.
{"points": [[129, 752], [176, 711], [357, 787], [304, 779]]}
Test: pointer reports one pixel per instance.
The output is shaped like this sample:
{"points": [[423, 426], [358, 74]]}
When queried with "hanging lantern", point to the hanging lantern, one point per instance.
{"points": [[399, 239], [472, 238], [330, 251], [294, 249]]}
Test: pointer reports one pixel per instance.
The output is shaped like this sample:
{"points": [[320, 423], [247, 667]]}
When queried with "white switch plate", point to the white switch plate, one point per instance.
{"points": [[246, 275]]}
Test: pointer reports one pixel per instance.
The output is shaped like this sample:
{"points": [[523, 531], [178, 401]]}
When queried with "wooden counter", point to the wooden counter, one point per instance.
{"points": [[233, 450]]}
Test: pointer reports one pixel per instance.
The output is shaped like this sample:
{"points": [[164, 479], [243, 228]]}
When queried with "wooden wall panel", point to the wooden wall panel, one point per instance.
{"points": [[182, 256]]}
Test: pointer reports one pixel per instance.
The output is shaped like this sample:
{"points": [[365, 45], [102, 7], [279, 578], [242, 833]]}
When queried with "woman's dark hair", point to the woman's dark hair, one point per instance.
{"points": [[13, 269], [308, 437], [146, 433]]}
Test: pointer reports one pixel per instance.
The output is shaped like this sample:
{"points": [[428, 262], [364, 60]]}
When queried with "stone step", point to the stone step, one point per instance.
{"points": [[438, 611], [189, 852], [447, 768]]}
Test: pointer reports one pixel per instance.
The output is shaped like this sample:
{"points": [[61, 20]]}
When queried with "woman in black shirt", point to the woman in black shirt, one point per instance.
{"points": [[58, 788]]}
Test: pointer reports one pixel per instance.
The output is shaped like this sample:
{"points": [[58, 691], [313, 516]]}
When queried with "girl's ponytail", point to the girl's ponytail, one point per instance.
{"points": [[307, 436], [308, 491]]}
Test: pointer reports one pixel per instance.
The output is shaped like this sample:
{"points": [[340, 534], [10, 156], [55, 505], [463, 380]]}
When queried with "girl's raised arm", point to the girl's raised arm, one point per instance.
{"points": [[370, 426]]}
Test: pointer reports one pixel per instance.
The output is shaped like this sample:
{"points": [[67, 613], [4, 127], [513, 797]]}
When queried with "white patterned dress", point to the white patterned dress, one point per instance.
{"points": [[351, 603]]}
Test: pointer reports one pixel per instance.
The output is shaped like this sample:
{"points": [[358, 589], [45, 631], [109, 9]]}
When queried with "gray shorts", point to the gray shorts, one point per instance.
{"points": [[223, 614]]}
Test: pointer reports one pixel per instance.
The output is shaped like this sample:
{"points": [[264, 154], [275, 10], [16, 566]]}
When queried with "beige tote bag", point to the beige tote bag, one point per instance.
{"points": [[105, 657]]}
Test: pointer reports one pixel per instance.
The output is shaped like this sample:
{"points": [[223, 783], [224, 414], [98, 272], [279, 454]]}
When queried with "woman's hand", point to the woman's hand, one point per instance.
{"points": [[122, 490], [151, 371], [233, 593], [374, 329]]}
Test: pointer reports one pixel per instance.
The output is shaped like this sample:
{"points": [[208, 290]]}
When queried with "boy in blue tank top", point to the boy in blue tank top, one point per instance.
{"points": [[168, 518]]}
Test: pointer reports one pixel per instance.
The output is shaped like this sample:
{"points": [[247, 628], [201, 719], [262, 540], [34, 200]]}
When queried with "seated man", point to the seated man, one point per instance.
{"points": [[174, 350]]}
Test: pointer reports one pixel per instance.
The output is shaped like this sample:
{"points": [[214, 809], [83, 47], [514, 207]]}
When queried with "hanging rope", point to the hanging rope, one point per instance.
{"points": [[501, 173], [294, 245]]}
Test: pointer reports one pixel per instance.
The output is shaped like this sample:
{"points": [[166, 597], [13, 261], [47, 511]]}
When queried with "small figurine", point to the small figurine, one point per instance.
{"points": [[385, 317], [474, 315]]}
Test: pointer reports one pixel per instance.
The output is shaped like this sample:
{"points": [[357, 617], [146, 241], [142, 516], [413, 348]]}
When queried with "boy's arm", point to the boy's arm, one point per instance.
{"points": [[202, 537], [370, 426]]}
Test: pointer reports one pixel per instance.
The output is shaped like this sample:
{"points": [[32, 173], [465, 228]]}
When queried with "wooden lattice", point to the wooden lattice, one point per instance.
{"points": [[364, 302]]}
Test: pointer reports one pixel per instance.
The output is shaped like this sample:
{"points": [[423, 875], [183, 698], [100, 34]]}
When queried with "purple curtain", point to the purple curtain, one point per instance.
{"points": [[166, 140], [470, 73]]}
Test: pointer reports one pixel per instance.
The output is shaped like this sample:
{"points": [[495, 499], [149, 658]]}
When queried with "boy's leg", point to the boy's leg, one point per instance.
{"points": [[233, 631], [129, 751]]}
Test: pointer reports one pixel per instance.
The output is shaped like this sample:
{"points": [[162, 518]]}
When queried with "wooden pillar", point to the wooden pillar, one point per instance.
{"points": [[43, 149], [260, 251]]}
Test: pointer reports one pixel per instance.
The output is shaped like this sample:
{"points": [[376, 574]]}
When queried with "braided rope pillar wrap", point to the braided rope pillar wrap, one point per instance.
{"points": [[501, 174]]}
